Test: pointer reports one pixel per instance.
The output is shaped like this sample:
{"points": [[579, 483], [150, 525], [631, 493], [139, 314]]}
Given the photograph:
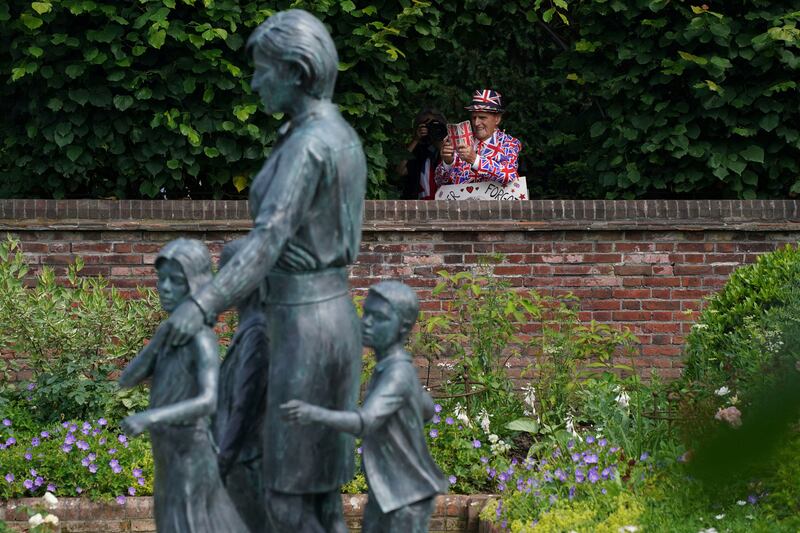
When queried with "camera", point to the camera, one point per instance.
{"points": [[436, 131]]}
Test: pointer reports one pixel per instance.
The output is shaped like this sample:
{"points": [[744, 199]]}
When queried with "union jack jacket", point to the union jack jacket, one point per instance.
{"points": [[498, 162]]}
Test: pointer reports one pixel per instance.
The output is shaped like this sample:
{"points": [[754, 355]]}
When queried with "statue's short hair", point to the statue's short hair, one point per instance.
{"points": [[402, 298], [298, 37], [193, 257]]}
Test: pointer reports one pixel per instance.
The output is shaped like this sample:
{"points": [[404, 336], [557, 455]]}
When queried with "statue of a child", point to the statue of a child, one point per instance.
{"points": [[188, 494], [242, 400], [402, 477]]}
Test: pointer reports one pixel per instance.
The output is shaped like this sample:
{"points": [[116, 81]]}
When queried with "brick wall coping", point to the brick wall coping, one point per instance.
{"points": [[406, 215]]}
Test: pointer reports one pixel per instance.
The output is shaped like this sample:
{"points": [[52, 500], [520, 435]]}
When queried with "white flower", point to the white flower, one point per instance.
{"points": [[750, 517], [741, 502], [720, 516], [461, 415], [493, 438], [51, 519], [628, 529], [570, 423], [50, 500], [722, 391], [484, 416], [36, 520], [709, 530], [622, 399]]}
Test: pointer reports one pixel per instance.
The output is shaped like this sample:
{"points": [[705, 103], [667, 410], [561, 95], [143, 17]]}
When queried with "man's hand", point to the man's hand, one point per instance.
{"points": [[466, 153], [448, 152], [298, 412], [184, 323], [134, 425]]}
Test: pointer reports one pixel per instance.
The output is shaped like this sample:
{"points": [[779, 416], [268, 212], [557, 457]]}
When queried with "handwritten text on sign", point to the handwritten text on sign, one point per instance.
{"points": [[485, 190]]}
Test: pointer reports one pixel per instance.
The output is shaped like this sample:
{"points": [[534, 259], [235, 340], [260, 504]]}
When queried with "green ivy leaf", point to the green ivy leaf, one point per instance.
{"points": [[30, 21], [156, 37], [123, 102], [74, 152], [753, 153]]}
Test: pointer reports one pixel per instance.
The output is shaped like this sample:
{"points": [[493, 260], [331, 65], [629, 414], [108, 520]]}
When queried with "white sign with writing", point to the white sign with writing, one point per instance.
{"points": [[485, 190]]}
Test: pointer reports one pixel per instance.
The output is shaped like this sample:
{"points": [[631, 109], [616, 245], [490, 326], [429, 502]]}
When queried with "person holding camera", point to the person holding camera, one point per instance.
{"points": [[425, 147], [492, 155]]}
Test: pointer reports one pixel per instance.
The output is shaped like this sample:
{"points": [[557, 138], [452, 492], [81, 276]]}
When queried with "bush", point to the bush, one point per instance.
{"points": [[73, 338]]}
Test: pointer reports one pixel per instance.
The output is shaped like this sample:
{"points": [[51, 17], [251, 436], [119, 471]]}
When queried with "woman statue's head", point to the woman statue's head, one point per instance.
{"points": [[300, 42]]}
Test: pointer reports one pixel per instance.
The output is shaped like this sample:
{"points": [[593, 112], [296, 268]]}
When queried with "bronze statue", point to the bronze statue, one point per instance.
{"points": [[307, 204], [402, 477], [189, 496], [238, 422]]}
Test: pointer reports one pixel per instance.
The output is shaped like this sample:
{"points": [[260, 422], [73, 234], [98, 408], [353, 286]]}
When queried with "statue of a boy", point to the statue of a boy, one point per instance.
{"points": [[239, 419], [189, 496], [402, 477]]}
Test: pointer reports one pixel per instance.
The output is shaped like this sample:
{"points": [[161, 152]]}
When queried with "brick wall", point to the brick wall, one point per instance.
{"points": [[453, 514], [643, 264]]}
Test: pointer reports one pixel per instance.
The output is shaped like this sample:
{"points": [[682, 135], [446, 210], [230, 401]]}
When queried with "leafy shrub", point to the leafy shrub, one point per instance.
{"points": [[71, 459], [73, 338]]}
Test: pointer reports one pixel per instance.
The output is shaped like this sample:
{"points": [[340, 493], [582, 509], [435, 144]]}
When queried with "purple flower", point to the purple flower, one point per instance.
{"points": [[752, 499], [602, 443], [570, 444], [131, 491], [85, 461], [64, 424], [605, 473], [34, 473], [553, 499], [92, 468], [66, 448], [39, 481], [579, 475], [86, 426], [73, 428], [452, 480], [484, 459], [613, 449], [603, 490], [6, 422], [82, 445], [121, 499], [137, 472], [102, 440], [594, 477], [591, 458], [112, 451], [433, 433], [449, 421], [30, 386], [571, 492], [140, 481], [10, 441], [51, 487], [589, 439], [122, 438], [436, 419], [35, 442], [78, 490], [9, 478], [644, 456], [560, 475], [92, 456], [28, 484], [70, 439], [102, 421], [576, 457], [476, 443], [44, 435], [28, 457], [114, 464], [437, 408]]}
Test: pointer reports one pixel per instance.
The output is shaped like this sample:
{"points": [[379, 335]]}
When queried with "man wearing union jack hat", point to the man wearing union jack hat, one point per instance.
{"points": [[492, 154]]}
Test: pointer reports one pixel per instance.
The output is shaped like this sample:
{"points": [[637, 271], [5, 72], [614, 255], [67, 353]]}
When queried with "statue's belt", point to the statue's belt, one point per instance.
{"points": [[302, 288]]}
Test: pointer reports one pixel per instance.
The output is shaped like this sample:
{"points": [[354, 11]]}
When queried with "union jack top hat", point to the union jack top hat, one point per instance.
{"points": [[486, 100]]}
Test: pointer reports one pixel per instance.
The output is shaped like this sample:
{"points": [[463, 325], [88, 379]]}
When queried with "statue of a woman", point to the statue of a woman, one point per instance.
{"points": [[307, 204]]}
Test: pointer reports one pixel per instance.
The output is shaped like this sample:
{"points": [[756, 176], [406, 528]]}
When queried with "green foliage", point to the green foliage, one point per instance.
{"points": [[74, 338], [42, 457], [643, 98]]}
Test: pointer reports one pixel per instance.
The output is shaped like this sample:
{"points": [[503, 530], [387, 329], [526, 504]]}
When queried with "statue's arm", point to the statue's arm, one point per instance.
{"points": [[428, 408], [141, 367], [296, 169]]}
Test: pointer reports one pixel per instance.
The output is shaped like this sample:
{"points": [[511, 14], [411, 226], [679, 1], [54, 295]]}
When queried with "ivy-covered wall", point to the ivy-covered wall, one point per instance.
{"points": [[642, 98]]}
